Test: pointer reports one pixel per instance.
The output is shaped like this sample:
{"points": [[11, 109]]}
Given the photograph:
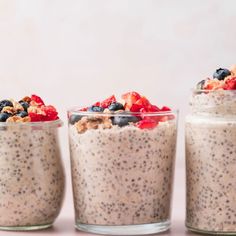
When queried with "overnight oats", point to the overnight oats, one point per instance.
{"points": [[122, 161], [211, 155], [31, 171]]}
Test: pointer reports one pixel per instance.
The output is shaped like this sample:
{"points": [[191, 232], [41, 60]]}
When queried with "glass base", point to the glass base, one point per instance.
{"points": [[125, 229], [200, 231], [25, 228]]}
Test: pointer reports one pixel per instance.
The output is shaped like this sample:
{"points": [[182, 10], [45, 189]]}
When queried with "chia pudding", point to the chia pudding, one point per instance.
{"points": [[211, 161], [122, 174], [31, 171]]}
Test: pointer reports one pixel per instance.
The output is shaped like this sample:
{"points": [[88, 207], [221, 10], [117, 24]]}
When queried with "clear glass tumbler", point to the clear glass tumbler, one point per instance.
{"points": [[31, 175], [122, 176], [211, 163]]}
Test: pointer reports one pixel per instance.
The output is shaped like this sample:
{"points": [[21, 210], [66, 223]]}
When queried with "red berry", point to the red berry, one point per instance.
{"points": [[146, 124], [97, 104], [143, 101], [34, 117], [230, 84], [36, 99], [165, 108], [83, 109], [107, 102], [130, 99], [135, 108], [153, 108], [50, 113]]}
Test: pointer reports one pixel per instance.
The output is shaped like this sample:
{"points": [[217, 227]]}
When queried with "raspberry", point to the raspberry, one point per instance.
{"points": [[36, 100], [153, 108], [50, 113], [107, 102], [164, 108], [230, 84], [146, 124], [136, 108], [34, 117]]}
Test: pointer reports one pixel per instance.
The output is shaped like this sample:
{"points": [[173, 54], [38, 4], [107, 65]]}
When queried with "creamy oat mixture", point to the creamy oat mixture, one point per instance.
{"points": [[211, 156], [122, 161]]}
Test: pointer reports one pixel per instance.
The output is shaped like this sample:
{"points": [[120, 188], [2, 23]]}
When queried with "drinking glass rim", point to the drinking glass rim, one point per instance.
{"points": [[76, 111], [53, 123], [195, 90]]}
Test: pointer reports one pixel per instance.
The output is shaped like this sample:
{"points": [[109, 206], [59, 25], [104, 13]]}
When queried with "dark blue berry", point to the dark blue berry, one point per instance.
{"points": [[4, 116], [95, 109], [5, 103], [74, 118], [116, 106], [221, 73], [24, 104], [124, 120], [22, 114]]}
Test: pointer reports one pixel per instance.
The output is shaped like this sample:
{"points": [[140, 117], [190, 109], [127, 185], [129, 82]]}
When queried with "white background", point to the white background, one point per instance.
{"points": [[75, 52]]}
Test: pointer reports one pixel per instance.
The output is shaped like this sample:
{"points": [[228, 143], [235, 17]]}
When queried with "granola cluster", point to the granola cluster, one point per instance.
{"points": [[103, 122]]}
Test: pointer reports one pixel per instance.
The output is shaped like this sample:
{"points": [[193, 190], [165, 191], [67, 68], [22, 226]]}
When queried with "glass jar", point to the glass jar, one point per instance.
{"points": [[31, 175], [122, 176], [211, 162]]}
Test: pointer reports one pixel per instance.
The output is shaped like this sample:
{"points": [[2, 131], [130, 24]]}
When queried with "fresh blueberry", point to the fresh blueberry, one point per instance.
{"points": [[115, 106], [124, 120], [74, 118], [95, 109], [22, 114], [4, 116], [5, 103], [24, 104], [221, 73], [200, 85]]}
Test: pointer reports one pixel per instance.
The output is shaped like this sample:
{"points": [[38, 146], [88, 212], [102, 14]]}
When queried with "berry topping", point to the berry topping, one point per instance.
{"points": [[5, 103], [35, 117], [147, 124], [4, 116], [214, 84], [221, 73], [130, 99], [230, 84], [143, 102], [22, 114], [153, 108], [124, 120], [95, 109], [223, 79], [36, 101], [24, 104], [97, 104], [107, 102], [83, 109], [28, 109], [49, 113], [133, 109], [74, 118], [116, 106], [165, 108]]}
